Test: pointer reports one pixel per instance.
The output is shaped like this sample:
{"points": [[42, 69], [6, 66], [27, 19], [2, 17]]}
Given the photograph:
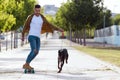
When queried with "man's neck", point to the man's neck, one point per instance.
{"points": [[37, 15]]}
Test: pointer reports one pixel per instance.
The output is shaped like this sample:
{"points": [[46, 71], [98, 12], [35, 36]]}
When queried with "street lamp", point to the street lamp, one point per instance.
{"points": [[104, 23]]}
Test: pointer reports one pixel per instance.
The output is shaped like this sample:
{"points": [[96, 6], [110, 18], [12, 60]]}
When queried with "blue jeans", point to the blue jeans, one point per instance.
{"points": [[35, 47]]}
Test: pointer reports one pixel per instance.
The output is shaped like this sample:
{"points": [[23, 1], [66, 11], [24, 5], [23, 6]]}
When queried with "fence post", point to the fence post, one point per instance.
{"points": [[0, 42], [11, 40]]}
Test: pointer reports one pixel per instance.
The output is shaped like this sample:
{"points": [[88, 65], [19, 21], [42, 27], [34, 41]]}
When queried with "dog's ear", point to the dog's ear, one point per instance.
{"points": [[61, 50], [58, 51]]}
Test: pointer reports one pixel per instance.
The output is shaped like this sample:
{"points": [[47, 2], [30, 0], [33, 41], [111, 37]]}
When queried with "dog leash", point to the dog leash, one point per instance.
{"points": [[61, 43]]}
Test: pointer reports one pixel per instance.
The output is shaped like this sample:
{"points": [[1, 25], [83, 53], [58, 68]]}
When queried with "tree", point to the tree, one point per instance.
{"points": [[61, 17], [6, 18], [22, 9], [80, 14], [108, 19], [116, 20], [14, 12]]}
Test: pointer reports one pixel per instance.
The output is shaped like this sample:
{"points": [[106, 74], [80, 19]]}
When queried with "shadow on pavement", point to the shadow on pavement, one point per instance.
{"points": [[65, 76]]}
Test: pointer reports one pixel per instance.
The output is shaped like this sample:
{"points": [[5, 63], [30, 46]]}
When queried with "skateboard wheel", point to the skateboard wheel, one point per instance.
{"points": [[25, 71], [29, 71], [32, 71]]}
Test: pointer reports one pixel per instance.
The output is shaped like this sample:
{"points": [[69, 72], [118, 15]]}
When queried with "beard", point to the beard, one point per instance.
{"points": [[37, 14]]}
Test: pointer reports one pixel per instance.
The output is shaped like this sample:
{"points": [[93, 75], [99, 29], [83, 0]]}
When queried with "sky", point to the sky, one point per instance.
{"points": [[57, 3], [113, 5]]}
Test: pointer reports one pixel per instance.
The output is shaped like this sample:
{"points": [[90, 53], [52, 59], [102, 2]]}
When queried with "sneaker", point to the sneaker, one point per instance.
{"points": [[27, 67], [31, 67]]}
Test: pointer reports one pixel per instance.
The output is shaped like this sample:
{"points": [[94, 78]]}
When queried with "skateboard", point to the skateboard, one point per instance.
{"points": [[29, 71]]}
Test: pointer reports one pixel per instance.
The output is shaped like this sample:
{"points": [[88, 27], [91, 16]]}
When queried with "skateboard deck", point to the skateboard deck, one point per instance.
{"points": [[29, 71]]}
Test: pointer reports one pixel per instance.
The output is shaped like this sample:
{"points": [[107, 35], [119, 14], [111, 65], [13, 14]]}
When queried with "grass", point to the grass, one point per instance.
{"points": [[111, 55]]}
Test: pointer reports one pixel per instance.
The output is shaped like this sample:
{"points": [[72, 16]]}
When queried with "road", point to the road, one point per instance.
{"points": [[80, 65]]}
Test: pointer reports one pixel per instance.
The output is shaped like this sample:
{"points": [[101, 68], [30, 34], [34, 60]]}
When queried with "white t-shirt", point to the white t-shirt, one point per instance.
{"points": [[36, 26]]}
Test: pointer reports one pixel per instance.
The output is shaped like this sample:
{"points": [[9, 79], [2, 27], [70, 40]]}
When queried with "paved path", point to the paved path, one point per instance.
{"points": [[80, 66]]}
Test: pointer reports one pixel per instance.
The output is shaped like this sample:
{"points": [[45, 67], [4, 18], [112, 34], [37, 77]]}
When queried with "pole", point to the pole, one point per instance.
{"points": [[104, 30]]}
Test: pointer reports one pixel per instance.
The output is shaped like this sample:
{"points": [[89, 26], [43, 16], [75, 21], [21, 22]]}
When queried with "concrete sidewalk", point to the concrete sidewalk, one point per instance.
{"points": [[80, 66]]}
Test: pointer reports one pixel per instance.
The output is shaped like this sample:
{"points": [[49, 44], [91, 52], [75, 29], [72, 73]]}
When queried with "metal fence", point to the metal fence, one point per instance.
{"points": [[11, 40]]}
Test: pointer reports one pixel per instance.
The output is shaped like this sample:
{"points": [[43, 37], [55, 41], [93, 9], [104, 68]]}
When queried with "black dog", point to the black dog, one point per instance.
{"points": [[62, 56]]}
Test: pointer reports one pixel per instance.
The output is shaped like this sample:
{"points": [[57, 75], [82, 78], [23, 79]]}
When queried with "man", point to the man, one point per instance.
{"points": [[35, 25]]}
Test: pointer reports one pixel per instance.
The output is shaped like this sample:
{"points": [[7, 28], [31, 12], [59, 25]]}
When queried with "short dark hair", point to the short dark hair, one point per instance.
{"points": [[37, 6]]}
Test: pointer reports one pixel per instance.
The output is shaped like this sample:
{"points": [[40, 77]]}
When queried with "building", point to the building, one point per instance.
{"points": [[50, 10], [109, 35]]}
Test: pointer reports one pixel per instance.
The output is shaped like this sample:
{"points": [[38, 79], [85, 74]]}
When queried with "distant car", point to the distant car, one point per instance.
{"points": [[2, 37]]}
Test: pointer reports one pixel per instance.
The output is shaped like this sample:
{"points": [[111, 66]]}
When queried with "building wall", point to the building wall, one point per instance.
{"points": [[110, 35], [50, 9]]}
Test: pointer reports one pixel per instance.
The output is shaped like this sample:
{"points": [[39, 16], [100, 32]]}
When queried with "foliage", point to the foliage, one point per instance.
{"points": [[116, 19], [14, 12], [108, 19], [79, 15], [7, 20]]}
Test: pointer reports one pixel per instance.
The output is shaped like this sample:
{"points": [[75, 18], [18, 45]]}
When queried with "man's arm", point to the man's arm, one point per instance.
{"points": [[51, 25], [26, 27], [56, 28]]}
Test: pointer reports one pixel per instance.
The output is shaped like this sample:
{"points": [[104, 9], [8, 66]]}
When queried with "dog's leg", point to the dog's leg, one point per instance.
{"points": [[58, 63], [62, 63], [67, 58]]}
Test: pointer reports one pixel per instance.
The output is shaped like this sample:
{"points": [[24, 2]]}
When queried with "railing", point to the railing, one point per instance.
{"points": [[11, 40]]}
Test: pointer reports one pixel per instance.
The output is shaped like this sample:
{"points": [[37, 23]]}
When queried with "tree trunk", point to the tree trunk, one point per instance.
{"points": [[0, 42], [80, 38], [84, 37], [75, 36]]}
